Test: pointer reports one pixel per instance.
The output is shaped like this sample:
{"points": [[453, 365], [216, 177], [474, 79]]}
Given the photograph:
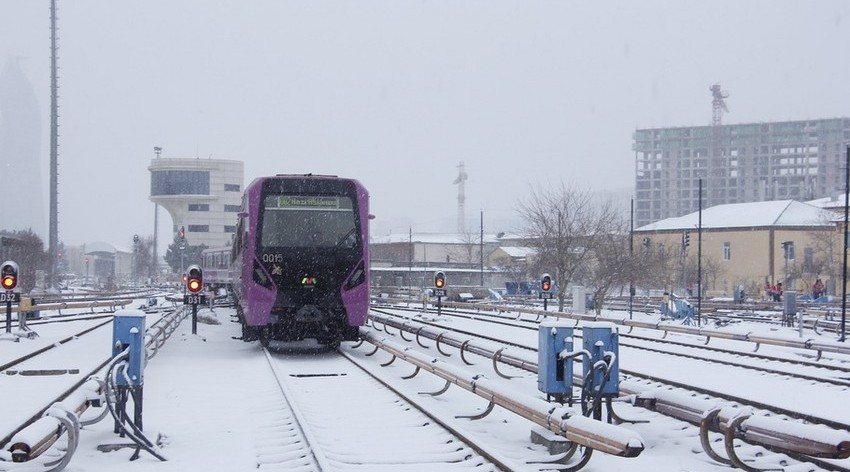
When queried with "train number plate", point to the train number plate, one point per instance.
{"points": [[194, 299], [10, 297]]}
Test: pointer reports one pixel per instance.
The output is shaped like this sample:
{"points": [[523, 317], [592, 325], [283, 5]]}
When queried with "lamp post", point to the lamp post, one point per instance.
{"points": [[157, 150]]}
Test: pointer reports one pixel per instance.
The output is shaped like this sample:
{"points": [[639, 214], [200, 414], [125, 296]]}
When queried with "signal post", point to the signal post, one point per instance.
{"points": [[193, 296], [9, 281]]}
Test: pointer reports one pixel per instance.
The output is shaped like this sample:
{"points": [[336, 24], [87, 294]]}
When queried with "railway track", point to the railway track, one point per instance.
{"points": [[40, 371], [338, 417], [794, 410]]}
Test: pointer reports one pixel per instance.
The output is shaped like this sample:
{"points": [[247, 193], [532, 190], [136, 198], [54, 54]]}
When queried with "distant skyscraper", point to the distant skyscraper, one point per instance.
{"points": [[20, 153]]}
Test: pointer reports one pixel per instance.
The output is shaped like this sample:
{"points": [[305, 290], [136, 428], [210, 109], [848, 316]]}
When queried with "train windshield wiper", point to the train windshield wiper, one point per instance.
{"points": [[345, 238]]}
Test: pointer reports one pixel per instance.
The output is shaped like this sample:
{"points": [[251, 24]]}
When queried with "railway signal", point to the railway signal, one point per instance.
{"points": [[9, 280], [686, 239], [439, 279], [194, 279], [440, 288], [9, 274], [194, 285], [545, 289]]}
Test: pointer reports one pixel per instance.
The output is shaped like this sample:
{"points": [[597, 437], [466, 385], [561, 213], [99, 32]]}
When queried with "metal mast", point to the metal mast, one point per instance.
{"points": [[53, 238], [461, 198]]}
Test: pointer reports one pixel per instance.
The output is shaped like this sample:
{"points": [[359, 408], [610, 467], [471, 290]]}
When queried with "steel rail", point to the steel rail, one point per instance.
{"points": [[491, 318], [756, 431], [561, 420], [808, 344]]}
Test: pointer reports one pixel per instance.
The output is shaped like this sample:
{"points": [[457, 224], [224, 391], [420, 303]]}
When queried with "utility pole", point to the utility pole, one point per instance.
{"points": [[481, 249], [699, 259], [843, 336], [631, 255]]}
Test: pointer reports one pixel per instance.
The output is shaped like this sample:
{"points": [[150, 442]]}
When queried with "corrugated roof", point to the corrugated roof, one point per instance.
{"points": [[748, 215]]}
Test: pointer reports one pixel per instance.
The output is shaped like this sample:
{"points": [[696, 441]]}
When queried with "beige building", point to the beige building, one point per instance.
{"points": [[748, 244]]}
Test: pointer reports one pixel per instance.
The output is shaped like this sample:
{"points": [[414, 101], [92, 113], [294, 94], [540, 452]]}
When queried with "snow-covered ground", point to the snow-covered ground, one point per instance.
{"points": [[209, 397]]}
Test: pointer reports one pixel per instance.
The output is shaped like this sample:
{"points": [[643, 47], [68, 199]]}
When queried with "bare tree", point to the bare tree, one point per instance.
{"points": [[562, 224], [515, 272], [826, 246], [468, 252], [609, 265]]}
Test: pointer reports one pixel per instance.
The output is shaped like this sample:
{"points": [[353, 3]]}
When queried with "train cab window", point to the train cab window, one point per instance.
{"points": [[309, 221]]}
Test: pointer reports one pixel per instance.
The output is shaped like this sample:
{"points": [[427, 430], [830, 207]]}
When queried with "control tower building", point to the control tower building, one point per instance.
{"points": [[203, 196]]}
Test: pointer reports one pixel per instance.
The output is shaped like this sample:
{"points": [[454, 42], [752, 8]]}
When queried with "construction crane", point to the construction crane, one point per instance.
{"points": [[718, 104], [717, 166], [461, 198]]}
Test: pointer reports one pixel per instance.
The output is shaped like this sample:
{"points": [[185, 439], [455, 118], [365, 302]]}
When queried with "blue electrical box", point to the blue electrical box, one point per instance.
{"points": [[554, 373], [599, 338], [128, 331]]}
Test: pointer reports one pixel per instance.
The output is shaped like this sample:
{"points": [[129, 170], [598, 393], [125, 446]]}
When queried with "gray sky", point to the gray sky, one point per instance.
{"points": [[396, 93]]}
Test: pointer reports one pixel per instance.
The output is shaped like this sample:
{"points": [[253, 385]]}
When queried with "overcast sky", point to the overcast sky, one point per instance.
{"points": [[396, 93]]}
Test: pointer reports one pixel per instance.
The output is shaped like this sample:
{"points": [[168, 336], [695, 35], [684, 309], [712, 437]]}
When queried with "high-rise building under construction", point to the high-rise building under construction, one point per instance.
{"points": [[800, 160]]}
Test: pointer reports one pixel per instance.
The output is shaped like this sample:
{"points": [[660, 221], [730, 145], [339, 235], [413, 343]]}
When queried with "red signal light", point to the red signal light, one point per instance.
{"points": [[9, 273], [546, 282], [9, 282], [194, 279], [439, 279]]}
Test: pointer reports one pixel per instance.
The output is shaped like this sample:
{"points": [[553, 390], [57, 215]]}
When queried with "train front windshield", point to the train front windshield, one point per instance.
{"points": [[301, 221]]}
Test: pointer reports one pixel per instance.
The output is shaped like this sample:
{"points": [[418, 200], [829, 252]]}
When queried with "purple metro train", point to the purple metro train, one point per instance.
{"points": [[301, 258]]}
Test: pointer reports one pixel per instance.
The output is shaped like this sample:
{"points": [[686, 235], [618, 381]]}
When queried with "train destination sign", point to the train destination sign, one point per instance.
{"points": [[305, 202]]}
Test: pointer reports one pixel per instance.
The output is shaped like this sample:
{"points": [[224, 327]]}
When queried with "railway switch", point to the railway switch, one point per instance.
{"points": [[554, 364]]}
